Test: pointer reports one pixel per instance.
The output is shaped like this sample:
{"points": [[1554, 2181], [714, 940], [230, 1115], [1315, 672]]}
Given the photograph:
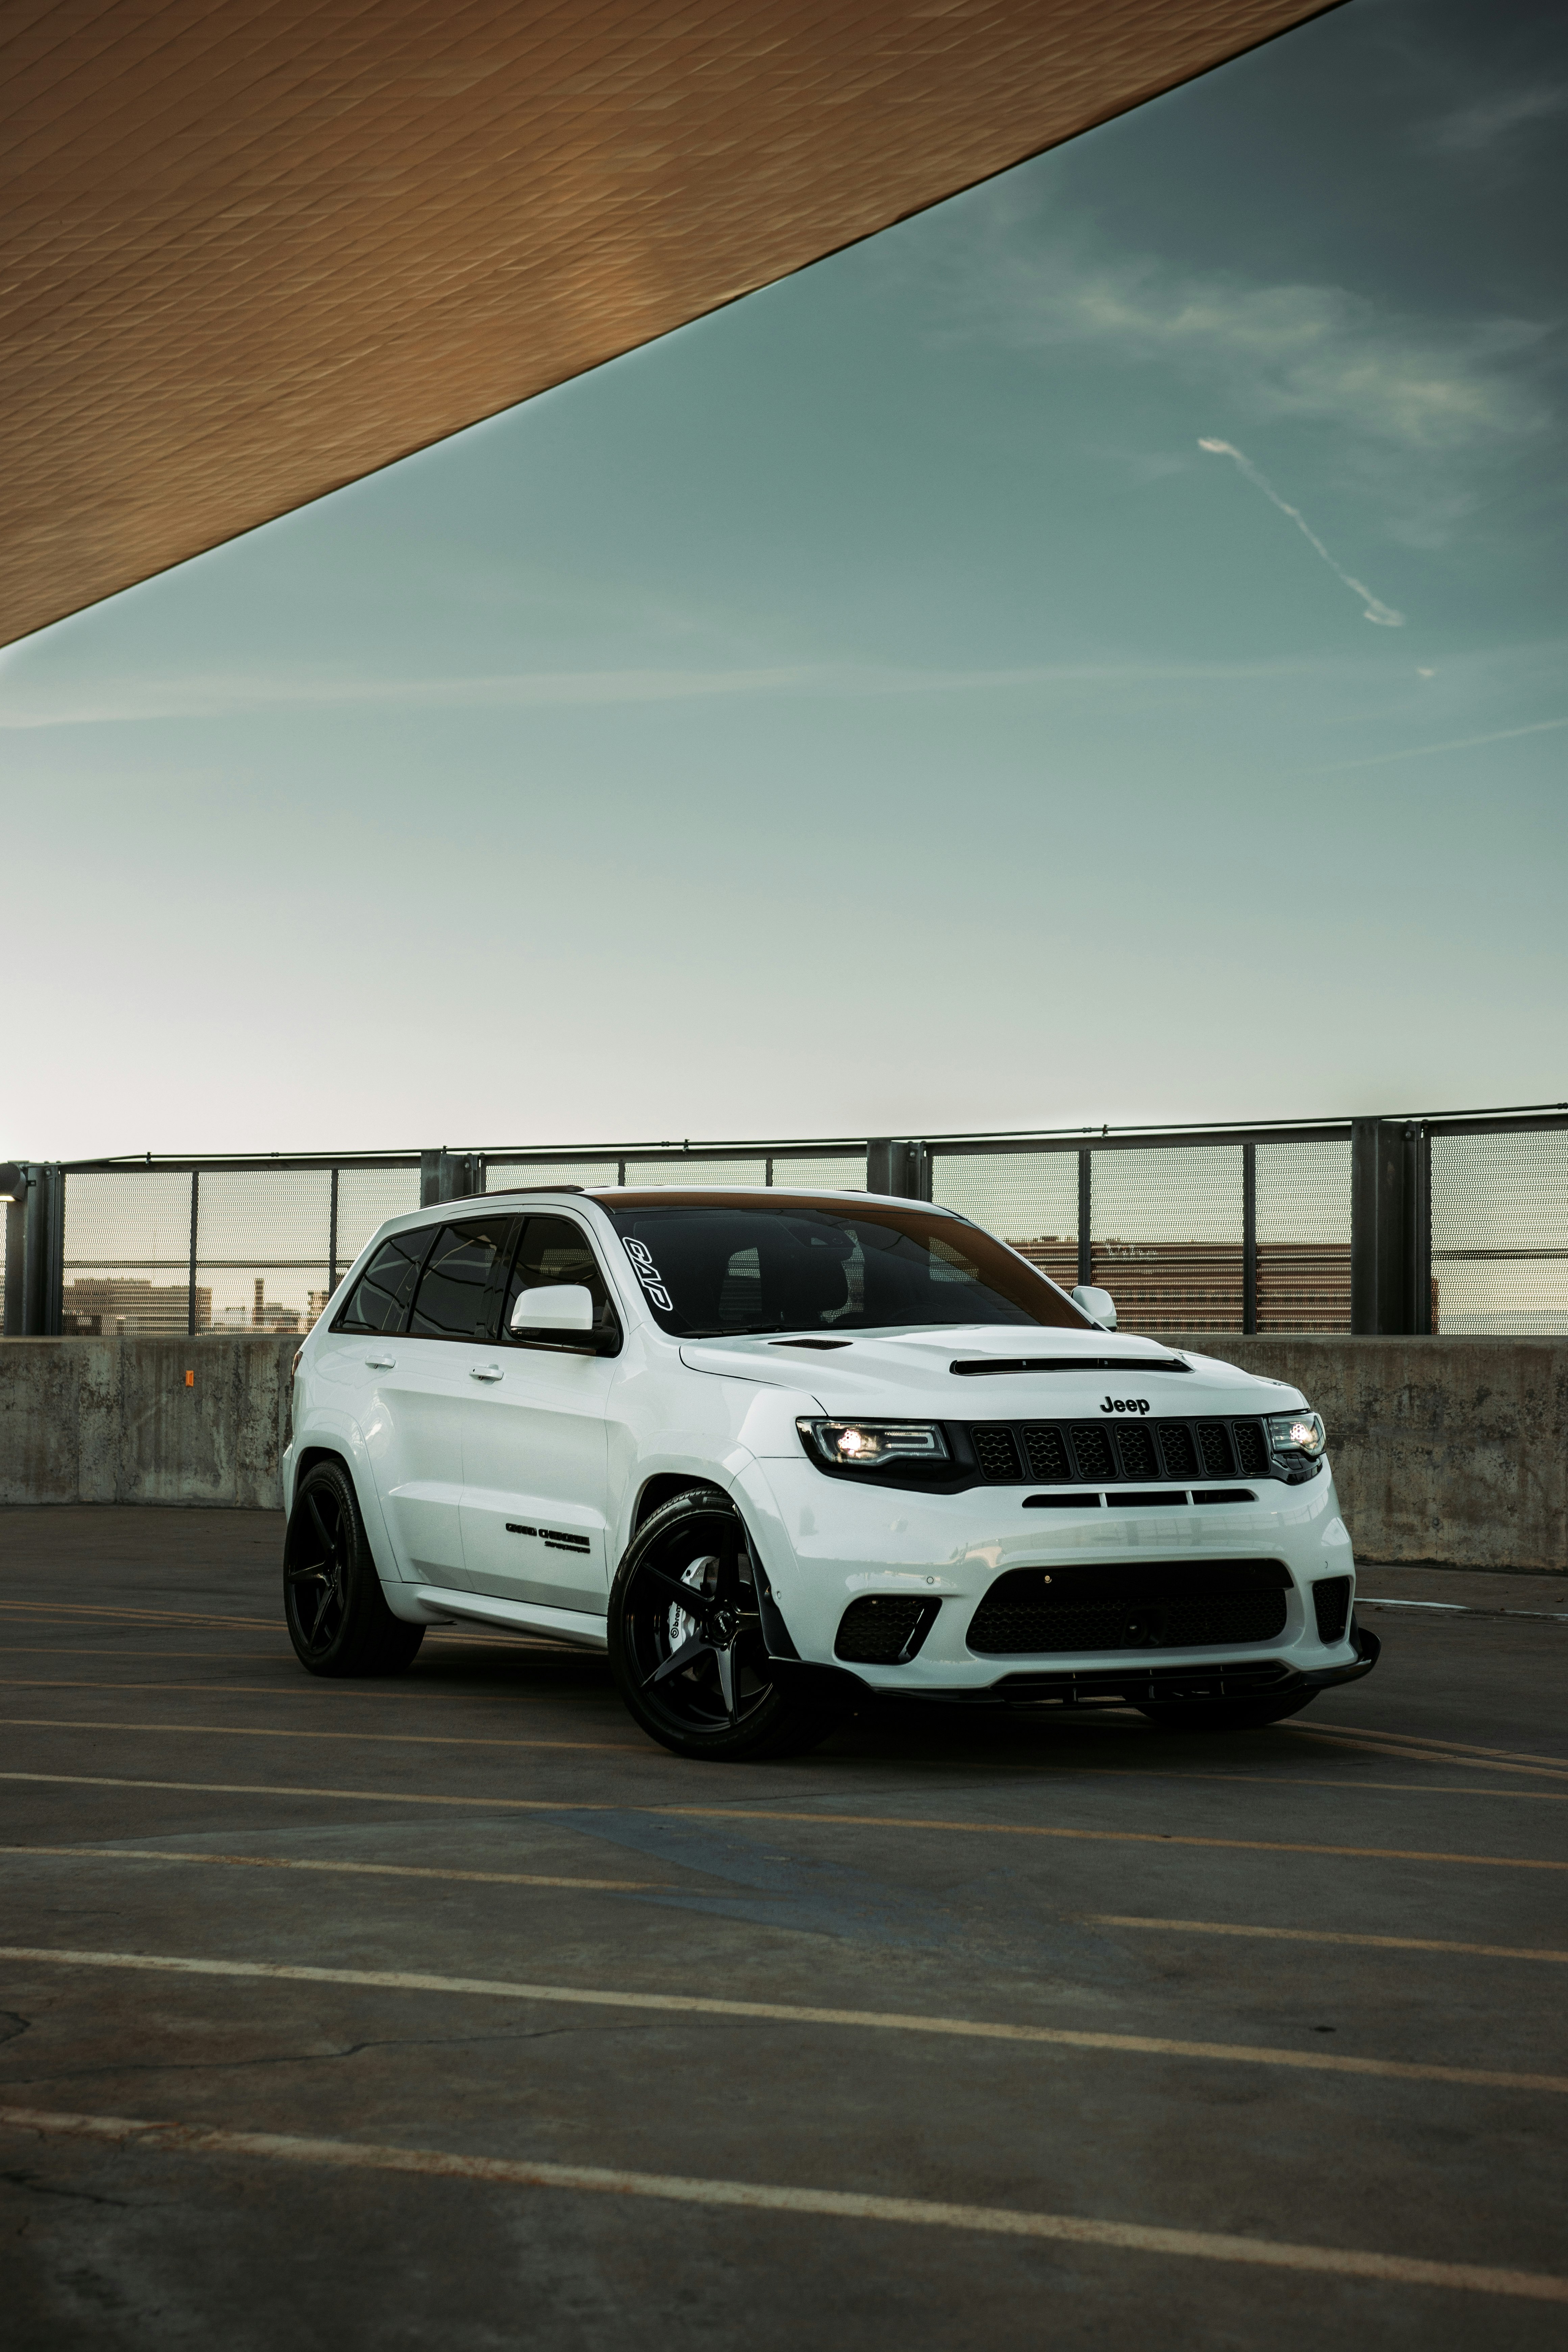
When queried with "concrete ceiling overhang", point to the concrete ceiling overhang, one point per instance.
{"points": [[254, 250]]}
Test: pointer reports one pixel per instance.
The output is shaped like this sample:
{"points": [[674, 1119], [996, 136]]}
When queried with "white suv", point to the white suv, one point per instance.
{"points": [[780, 1453]]}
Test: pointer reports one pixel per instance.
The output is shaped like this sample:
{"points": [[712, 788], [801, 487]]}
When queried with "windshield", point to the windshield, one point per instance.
{"points": [[713, 1267]]}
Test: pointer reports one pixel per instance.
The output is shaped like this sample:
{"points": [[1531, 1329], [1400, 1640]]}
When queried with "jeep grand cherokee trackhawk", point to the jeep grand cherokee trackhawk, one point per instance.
{"points": [[778, 1453]]}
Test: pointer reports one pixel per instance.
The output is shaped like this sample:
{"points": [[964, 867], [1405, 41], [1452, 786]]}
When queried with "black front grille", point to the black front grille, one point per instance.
{"points": [[1048, 1452], [1180, 1456], [1158, 1605], [1332, 1603], [996, 1452], [1091, 1446], [1251, 1453], [1112, 1453], [1213, 1450], [884, 1629], [1136, 1447]]}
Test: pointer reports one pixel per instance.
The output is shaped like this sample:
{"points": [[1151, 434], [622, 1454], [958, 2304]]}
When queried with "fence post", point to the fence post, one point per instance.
{"points": [[1249, 1239], [1086, 1217], [16, 1249], [449, 1176], [196, 1239], [42, 1252], [899, 1164], [1391, 1239]]}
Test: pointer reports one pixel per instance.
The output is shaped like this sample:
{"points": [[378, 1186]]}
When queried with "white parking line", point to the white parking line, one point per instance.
{"points": [[842, 2205], [291, 1732], [804, 1821], [336, 1869], [1323, 1936], [1148, 2045]]}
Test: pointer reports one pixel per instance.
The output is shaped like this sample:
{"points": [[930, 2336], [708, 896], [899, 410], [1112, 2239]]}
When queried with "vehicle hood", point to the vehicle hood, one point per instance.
{"points": [[1072, 1373]]}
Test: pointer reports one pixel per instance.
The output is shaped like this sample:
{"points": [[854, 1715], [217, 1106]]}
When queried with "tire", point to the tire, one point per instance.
{"points": [[335, 1610], [1228, 1713], [717, 1701]]}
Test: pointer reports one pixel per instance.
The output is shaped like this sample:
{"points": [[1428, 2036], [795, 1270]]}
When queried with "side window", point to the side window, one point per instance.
{"points": [[553, 1249], [379, 1300], [456, 1289]]}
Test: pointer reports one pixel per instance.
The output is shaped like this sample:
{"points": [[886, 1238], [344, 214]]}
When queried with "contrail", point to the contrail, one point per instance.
{"points": [[1383, 615]]}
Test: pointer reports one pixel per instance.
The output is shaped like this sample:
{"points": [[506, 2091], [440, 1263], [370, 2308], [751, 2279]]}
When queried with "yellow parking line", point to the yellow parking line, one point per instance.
{"points": [[1433, 1754], [760, 2197], [809, 1820], [49, 1610], [335, 1869], [1427, 1739], [291, 1731], [1354, 1788], [1145, 2046], [1323, 1936], [133, 1658]]}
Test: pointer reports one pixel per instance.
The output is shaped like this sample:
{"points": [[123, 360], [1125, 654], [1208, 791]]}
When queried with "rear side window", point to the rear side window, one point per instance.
{"points": [[379, 1300], [456, 1296]]}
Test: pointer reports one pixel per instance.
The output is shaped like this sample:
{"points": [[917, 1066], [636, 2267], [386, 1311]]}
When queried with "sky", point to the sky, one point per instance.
{"points": [[1093, 652]]}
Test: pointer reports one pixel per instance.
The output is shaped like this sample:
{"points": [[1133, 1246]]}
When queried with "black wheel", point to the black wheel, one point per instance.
{"points": [[338, 1618], [686, 1642], [1228, 1713]]}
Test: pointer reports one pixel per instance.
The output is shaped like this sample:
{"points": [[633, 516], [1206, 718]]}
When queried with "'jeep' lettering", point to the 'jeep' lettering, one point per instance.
{"points": [[1125, 1404]]}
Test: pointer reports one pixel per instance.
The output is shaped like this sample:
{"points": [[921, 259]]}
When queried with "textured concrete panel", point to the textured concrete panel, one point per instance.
{"points": [[112, 1420], [253, 249]]}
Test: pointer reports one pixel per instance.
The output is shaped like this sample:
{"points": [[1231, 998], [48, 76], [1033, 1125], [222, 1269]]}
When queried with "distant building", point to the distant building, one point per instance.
{"points": [[109, 1305]]}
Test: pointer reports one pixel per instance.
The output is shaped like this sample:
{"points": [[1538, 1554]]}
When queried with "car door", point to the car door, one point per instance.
{"points": [[428, 1378], [535, 1449]]}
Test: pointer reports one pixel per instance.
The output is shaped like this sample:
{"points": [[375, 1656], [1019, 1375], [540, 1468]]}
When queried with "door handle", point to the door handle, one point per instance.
{"points": [[381, 1363], [486, 1372]]}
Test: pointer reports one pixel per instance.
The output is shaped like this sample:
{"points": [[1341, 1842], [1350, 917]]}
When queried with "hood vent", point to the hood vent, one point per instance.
{"points": [[986, 1367]]}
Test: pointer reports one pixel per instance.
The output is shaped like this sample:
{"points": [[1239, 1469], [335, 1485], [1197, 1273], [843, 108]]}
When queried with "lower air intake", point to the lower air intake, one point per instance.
{"points": [[884, 1629], [1164, 1605], [1331, 1605]]}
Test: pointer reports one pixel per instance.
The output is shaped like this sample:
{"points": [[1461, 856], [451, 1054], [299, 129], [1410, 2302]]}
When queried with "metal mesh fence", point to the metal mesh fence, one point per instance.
{"points": [[508, 1175], [127, 1256], [263, 1248], [693, 1171], [1027, 1198], [256, 1247], [1167, 1236], [1304, 1237], [839, 1171], [1500, 1233], [366, 1197]]}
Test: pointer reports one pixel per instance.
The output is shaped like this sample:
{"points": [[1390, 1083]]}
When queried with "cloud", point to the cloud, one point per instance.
{"points": [[1310, 351], [49, 700], [1383, 615], [1458, 743], [1470, 129]]}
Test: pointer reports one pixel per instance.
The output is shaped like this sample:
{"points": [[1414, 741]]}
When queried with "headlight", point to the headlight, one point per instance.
{"points": [[1297, 1436], [866, 1445]]}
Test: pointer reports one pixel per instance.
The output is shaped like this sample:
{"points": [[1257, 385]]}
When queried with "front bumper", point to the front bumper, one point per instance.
{"points": [[823, 1545], [839, 1688]]}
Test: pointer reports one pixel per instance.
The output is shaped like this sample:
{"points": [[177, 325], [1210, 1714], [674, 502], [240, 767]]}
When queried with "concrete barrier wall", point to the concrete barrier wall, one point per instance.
{"points": [[112, 1420], [1449, 1450]]}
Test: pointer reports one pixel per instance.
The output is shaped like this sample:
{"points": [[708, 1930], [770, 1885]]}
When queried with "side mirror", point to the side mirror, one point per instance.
{"points": [[1097, 1304], [564, 1308]]}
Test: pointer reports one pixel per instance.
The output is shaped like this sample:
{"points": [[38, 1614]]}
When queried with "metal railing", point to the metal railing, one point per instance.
{"points": [[1451, 1223]]}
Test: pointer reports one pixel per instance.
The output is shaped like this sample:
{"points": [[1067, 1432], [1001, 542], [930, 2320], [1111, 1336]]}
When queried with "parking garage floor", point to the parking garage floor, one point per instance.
{"points": [[452, 2011]]}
